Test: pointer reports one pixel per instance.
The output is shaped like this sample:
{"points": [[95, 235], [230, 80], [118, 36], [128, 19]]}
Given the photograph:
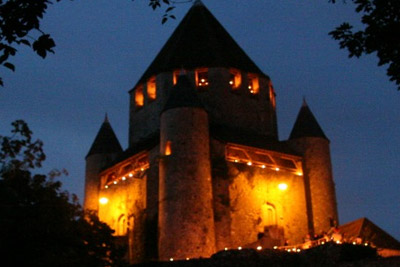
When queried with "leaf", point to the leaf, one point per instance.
{"points": [[43, 45], [9, 65], [164, 19], [169, 9]]}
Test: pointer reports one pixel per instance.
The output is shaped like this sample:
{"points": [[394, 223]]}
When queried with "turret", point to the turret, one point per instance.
{"points": [[104, 149], [186, 223], [308, 139]]}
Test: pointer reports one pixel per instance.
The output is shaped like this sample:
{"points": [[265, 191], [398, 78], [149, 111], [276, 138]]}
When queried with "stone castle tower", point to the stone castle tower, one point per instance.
{"points": [[205, 169]]}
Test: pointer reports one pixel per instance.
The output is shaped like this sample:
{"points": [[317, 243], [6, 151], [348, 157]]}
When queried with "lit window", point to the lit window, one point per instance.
{"points": [[168, 148], [151, 88], [202, 78], [139, 99], [253, 84], [175, 76], [235, 79]]}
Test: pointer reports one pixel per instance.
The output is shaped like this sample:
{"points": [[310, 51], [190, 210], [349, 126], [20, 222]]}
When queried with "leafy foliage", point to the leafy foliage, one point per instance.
{"points": [[381, 34], [39, 224], [19, 22], [154, 4]]}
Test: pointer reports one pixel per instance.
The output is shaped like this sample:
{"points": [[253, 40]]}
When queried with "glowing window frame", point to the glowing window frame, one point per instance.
{"points": [[139, 97], [202, 82], [253, 84], [152, 88], [119, 173], [235, 79]]}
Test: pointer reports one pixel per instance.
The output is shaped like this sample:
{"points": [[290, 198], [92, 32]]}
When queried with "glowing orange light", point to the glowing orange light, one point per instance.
{"points": [[263, 166], [123, 178], [299, 173], [259, 248], [168, 148], [103, 200], [106, 186], [115, 182], [282, 186], [249, 163], [130, 175], [239, 248], [139, 98], [171, 259], [225, 249], [277, 169], [151, 88]]}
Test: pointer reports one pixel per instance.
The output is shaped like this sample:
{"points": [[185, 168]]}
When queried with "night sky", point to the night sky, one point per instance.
{"points": [[103, 47]]}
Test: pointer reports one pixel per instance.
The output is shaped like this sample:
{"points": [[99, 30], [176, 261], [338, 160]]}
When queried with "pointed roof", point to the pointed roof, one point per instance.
{"points": [[183, 94], [365, 229], [106, 141], [200, 41], [306, 125]]}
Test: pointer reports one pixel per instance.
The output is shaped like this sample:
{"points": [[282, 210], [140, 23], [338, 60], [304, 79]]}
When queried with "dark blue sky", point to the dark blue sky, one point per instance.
{"points": [[103, 47]]}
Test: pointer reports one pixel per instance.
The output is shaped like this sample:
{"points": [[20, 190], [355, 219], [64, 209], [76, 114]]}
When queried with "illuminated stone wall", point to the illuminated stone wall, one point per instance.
{"points": [[186, 222], [234, 108], [318, 171], [243, 195], [238, 108], [94, 164], [253, 190], [124, 212]]}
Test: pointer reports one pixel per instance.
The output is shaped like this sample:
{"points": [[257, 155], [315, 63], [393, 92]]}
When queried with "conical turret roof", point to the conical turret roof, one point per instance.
{"points": [[106, 141], [183, 94], [200, 41], [306, 124]]}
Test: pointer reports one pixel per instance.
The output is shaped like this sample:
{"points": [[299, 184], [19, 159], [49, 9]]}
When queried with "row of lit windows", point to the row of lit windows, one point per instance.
{"points": [[263, 159], [151, 92], [202, 82], [133, 167]]}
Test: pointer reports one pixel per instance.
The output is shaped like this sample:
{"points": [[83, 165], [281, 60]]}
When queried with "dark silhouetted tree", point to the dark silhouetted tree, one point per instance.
{"points": [[40, 225], [20, 25], [381, 34]]}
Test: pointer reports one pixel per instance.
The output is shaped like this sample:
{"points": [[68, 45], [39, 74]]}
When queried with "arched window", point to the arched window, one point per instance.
{"points": [[268, 214], [121, 228]]}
